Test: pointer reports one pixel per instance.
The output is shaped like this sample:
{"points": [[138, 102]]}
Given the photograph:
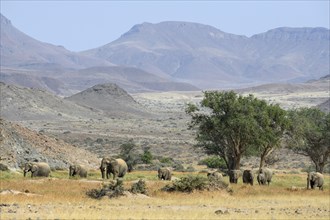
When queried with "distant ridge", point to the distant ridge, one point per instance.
{"points": [[209, 58]]}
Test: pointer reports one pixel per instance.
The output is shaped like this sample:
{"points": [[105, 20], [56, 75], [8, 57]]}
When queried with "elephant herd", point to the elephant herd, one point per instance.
{"points": [[264, 176], [118, 168]]}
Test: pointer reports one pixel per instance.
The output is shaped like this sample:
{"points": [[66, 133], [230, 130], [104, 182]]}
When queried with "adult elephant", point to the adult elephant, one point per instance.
{"points": [[315, 179], [264, 176], [37, 169], [117, 167], [164, 173], [234, 175], [248, 177], [77, 169]]}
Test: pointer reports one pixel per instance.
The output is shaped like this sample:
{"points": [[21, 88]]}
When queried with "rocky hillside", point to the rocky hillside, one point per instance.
{"points": [[20, 103], [19, 145], [209, 58]]}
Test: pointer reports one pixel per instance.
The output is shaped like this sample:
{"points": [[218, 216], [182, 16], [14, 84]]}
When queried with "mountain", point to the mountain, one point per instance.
{"points": [[30, 63], [21, 51], [209, 58]]}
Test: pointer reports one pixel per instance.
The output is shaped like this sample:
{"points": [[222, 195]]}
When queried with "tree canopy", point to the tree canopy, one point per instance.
{"points": [[231, 126], [310, 135]]}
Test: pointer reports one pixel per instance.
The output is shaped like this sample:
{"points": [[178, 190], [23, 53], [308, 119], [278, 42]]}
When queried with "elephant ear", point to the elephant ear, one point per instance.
{"points": [[113, 162], [34, 168]]}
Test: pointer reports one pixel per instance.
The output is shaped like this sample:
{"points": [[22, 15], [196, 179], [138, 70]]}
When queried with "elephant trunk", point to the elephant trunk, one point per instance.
{"points": [[102, 172], [24, 172]]}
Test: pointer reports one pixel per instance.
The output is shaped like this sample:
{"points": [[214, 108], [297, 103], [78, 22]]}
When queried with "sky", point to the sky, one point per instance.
{"points": [[82, 25]]}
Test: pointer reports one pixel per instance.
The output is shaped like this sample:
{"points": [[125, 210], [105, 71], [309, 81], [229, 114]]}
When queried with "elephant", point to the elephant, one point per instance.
{"points": [[77, 169], [248, 177], [264, 176], [315, 179], [215, 174], [117, 167], [164, 173], [234, 175], [37, 169]]}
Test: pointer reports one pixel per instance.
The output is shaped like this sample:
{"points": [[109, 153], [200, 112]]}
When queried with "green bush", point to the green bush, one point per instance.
{"points": [[113, 189], [139, 187], [187, 184], [213, 162]]}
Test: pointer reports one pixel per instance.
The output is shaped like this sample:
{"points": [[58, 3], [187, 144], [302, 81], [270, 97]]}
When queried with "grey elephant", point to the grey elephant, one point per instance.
{"points": [[117, 167], [37, 169], [77, 169], [215, 174], [264, 176], [315, 179], [248, 177], [164, 173], [234, 175]]}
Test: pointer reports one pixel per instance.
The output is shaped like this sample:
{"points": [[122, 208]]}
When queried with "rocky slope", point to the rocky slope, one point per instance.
{"points": [[19, 145]]}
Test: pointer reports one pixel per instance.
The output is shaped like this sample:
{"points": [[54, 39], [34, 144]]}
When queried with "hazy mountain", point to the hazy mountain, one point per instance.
{"points": [[207, 57], [19, 50], [31, 63], [129, 78]]}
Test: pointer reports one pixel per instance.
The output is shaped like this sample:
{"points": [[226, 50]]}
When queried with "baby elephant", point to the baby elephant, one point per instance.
{"points": [[264, 176], [164, 173], [77, 169], [248, 177]]}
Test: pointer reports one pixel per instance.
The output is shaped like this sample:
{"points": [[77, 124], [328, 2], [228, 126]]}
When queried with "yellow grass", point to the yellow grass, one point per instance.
{"points": [[62, 198]]}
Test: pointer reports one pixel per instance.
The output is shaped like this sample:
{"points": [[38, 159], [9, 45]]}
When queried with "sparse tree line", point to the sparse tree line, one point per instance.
{"points": [[230, 126]]}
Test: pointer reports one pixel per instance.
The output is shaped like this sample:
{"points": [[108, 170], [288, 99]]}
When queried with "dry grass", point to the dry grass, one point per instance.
{"points": [[61, 198]]}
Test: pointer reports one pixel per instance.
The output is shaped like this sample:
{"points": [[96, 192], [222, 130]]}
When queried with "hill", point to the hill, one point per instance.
{"points": [[24, 104], [209, 58], [19, 145], [109, 98]]}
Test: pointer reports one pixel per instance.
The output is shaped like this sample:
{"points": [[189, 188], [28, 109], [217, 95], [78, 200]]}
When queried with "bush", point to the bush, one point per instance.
{"points": [[191, 183], [213, 162], [113, 189], [187, 184], [139, 187]]}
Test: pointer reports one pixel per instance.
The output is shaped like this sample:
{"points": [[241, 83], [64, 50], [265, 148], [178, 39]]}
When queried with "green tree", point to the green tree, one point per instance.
{"points": [[129, 154], [310, 135], [273, 124], [146, 157], [230, 126]]}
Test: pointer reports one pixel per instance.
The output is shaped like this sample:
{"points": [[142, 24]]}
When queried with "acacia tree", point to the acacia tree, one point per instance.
{"points": [[231, 126], [273, 124], [310, 135]]}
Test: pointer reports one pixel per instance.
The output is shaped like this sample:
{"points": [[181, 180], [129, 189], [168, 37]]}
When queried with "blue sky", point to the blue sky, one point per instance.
{"points": [[81, 25]]}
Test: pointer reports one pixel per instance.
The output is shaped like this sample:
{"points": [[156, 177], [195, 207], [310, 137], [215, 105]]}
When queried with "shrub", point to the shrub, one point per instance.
{"points": [[139, 187], [187, 184], [113, 189]]}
